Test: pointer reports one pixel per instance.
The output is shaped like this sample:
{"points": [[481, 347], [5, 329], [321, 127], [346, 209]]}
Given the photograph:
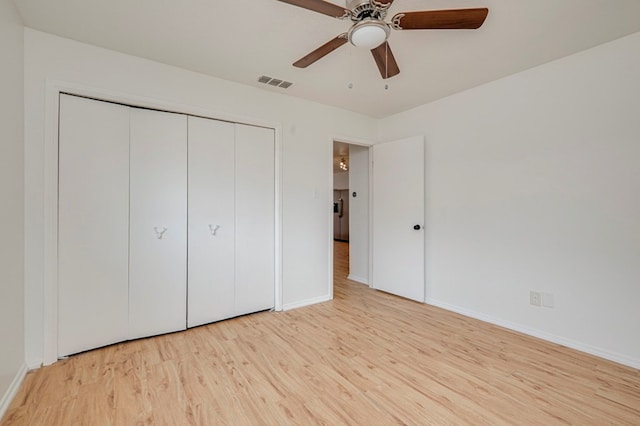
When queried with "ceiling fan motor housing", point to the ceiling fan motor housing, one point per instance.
{"points": [[363, 9]]}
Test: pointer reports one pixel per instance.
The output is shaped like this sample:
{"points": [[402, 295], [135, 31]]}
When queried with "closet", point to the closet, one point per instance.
{"points": [[231, 220], [165, 221]]}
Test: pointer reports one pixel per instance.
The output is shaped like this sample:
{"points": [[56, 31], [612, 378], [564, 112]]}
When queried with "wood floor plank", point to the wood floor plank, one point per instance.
{"points": [[366, 357]]}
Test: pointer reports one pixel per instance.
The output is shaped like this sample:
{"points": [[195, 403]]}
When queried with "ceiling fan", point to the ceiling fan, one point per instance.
{"points": [[370, 31]]}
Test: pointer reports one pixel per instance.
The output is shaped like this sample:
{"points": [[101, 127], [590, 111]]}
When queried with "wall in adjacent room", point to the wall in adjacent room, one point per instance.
{"points": [[12, 365], [533, 184], [307, 131], [341, 180]]}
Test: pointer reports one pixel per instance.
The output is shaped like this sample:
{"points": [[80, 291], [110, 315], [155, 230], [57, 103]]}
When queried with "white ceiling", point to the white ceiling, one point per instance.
{"points": [[240, 40]]}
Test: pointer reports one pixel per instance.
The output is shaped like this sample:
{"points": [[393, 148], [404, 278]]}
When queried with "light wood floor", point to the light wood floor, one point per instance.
{"points": [[365, 358]]}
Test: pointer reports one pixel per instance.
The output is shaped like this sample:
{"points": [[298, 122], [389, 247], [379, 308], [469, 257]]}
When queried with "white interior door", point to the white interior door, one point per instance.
{"points": [[211, 287], [255, 219], [158, 241], [93, 227], [398, 208]]}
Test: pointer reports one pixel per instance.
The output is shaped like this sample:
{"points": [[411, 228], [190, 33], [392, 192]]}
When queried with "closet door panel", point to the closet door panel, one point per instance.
{"points": [[255, 240], [211, 286], [158, 241], [93, 224]]}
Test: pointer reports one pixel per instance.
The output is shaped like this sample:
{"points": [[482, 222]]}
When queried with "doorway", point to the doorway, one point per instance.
{"points": [[350, 231]]}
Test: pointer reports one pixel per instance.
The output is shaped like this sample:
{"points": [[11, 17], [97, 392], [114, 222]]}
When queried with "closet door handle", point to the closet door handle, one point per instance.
{"points": [[160, 230], [213, 229]]}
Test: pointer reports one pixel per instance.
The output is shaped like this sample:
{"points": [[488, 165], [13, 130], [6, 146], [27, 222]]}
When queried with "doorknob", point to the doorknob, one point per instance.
{"points": [[416, 227]]}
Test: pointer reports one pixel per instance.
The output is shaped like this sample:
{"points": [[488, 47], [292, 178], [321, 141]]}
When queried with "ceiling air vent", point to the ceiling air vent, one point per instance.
{"points": [[274, 82]]}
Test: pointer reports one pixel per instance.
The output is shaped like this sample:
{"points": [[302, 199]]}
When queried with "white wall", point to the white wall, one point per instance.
{"points": [[308, 131], [533, 183], [359, 213], [12, 198]]}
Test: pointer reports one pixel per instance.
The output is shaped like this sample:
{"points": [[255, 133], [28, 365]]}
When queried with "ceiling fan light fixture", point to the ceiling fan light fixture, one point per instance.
{"points": [[368, 33]]}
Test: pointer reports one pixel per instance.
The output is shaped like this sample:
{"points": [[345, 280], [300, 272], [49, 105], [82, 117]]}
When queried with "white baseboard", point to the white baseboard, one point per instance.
{"points": [[12, 390], [307, 302], [582, 347], [358, 279]]}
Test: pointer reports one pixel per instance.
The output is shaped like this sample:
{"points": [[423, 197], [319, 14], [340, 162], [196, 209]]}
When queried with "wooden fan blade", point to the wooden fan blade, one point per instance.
{"points": [[456, 19], [321, 51], [321, 6], [385, 60]]}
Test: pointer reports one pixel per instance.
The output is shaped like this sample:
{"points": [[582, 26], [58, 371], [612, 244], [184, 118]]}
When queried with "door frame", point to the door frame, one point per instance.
{"points": [[364, 143], [50, 194]]}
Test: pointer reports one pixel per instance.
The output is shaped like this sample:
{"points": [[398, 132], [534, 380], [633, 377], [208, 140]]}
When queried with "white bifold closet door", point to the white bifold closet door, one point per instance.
{"points": [[158, 220], [211, 221], [231, 220], [93, 224], [136, 187], [255, 219]]}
